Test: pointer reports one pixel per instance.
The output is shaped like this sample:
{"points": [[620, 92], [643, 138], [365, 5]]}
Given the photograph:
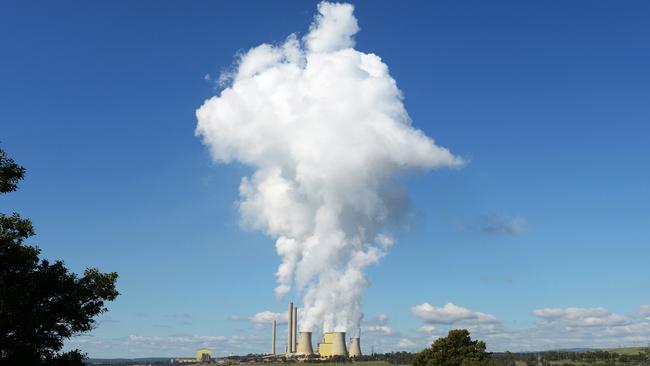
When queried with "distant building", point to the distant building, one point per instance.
{"points": [[204, 355]]}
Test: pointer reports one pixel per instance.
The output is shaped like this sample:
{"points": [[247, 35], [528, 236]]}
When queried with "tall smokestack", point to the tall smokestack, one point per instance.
{"points": [[355, 347], [295, 328], [290, 329], [304, 346], [273, 338]]}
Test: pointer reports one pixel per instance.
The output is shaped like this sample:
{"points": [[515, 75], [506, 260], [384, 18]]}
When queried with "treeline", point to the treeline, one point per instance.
{"points": [[393, 358], [566, 358]]}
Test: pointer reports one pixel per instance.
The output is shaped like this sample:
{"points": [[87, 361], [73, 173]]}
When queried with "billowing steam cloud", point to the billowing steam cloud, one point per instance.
{"points": [[324, 127]]}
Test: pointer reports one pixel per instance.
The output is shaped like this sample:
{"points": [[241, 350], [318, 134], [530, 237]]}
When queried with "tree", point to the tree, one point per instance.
{"points": [[41, 303], [457, 349]]}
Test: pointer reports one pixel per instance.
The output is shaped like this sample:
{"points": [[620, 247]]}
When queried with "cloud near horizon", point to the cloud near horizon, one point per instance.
{"points": [[581, 317], [557, 327], [377, 324], [595, 327], [450, 314]]}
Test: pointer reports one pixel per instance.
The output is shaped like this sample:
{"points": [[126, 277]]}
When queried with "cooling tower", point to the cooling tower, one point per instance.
{"points": [[355, 347], [338, 344], [304, 345]]}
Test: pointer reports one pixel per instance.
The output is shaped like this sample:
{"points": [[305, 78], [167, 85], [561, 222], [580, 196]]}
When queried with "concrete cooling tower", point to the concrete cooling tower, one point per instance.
{"points": [[338, 344], [333, 344], [304, 345], [355, 347]]}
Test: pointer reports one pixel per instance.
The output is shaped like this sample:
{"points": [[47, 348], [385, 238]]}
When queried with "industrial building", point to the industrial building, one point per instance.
{"points": [[332, 343], [204, 355]]}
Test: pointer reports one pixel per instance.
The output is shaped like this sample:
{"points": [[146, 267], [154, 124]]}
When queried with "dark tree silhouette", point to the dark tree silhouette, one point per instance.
{"points": [[457, 349], [41, 303]]}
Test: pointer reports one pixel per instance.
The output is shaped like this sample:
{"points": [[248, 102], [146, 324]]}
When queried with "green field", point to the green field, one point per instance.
{"points": [[624, 351], [627, 350]]}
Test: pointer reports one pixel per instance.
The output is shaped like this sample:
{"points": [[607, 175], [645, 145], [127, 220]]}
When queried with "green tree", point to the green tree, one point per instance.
{"points": [[41, 303], [457, 349]]}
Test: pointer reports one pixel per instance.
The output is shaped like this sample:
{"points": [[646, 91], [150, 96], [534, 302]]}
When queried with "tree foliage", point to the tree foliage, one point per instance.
{"points": [[41, 303], [457, 349], [10, 173]]}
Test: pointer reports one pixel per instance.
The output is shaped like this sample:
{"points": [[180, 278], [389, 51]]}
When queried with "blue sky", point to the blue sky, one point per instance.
{"points": [[545, 227]]}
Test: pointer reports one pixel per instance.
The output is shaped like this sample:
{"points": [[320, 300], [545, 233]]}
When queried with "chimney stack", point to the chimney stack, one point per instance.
{"points": [[273, 338], [290, 329], [295, 329]]}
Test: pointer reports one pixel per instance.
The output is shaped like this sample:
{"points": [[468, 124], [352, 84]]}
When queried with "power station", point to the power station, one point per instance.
{"points": [[299, 344]]}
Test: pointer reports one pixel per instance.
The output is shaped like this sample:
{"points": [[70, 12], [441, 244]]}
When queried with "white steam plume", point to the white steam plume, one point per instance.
{"points": [[324, 127]]}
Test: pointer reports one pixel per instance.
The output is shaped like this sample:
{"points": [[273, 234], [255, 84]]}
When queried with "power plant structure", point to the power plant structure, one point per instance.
{"points": [[299, 344], [304, 345], [273, 338], [355, 347], [333, 344]]}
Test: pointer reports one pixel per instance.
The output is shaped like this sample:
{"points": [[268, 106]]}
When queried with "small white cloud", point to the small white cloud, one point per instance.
{"points": [[405, 343], [450, 314], [581, 317], [207, 77], [381, 329], [497, 224], [379, 319], [377, 324], [264, 318], [428, 329]]}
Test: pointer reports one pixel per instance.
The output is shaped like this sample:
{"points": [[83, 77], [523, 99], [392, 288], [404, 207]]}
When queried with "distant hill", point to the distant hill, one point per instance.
{"points": [[620, 351], [583, 349]]}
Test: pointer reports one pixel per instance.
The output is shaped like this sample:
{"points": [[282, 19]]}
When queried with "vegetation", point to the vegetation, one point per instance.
{"points": [[41, 303], [457, 349], [393, 358], [613, 357]]}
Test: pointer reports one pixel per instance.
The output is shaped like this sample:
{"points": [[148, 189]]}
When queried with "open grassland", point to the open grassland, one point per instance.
{"points": [[626, 350]]}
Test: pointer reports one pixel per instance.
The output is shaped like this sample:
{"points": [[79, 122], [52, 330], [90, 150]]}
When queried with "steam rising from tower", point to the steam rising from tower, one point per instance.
{"points": [[325, 130]]}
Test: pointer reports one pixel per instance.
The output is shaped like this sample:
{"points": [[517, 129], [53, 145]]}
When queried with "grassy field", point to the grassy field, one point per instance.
{"points": [[627, 350], [630, 351]]}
